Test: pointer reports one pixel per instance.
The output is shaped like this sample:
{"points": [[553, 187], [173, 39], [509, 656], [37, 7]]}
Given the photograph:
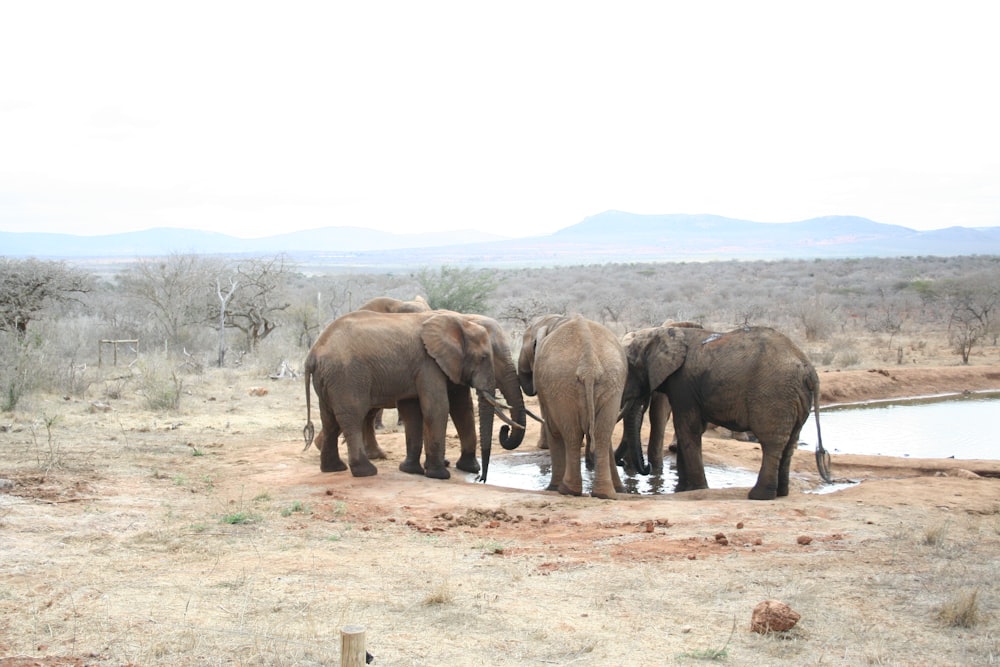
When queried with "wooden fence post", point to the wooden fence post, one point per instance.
{"points": [[352, 646]]}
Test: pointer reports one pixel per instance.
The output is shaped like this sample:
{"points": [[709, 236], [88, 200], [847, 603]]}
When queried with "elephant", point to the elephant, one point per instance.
{"points": [[659, 413], [420, 362], [578, 369], [388, 304], [750, 379]]}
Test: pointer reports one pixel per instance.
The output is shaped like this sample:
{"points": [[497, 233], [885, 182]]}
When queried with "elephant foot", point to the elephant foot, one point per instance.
{"points": [[437, 473], [332, 466], [412, 467], [763, 493], [363, 469], [566, 491], [606, 495], [468, 463]]}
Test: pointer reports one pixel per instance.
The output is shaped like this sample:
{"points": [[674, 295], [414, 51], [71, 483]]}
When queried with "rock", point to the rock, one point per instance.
{"points": [[257, 391], [773, 616]]}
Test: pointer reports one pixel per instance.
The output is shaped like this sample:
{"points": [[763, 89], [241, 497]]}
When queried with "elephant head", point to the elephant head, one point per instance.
{"points": [[533, 337], [653, 355], [506, 381]]}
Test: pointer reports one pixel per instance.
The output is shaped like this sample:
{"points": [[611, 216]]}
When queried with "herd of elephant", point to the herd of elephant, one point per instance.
{"points": [[401, 354]]}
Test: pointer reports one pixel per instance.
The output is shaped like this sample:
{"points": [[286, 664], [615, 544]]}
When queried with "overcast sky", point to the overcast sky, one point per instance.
{"points": [[514, 117]]}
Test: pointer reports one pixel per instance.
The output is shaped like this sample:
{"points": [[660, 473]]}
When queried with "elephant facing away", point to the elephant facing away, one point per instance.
{"points": [[578, 369], [750, 379], [366, 360]]}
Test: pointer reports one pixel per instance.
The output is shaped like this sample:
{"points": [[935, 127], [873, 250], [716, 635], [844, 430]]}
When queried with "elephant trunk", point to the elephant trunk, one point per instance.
{"points": [[510, 389], [485, 434], [632, 428]]}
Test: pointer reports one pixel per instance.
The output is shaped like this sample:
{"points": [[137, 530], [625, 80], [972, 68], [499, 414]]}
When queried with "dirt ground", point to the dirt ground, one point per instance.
{"points": [[206, 536]]}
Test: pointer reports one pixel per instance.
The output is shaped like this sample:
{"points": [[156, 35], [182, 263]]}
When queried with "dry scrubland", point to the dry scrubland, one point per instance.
{"points": [[200, 534]]}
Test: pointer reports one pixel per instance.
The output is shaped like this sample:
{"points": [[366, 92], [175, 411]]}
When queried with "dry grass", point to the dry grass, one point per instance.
{"points": [[120, 546]]}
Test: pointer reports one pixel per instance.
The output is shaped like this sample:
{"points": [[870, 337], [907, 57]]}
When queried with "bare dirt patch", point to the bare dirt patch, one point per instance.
{"points": [[206, 536]]}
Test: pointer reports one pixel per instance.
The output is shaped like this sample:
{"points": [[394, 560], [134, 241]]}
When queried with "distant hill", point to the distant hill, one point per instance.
{"points": [[612, 236]]}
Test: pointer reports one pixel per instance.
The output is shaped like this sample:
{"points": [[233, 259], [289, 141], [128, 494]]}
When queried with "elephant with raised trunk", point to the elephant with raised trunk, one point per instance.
{"points": [[419, 361], [750, 379], [577, 368]]}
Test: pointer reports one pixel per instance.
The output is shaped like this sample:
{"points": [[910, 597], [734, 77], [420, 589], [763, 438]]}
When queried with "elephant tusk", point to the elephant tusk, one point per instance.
{"points": [[507, 420], [499, 412], [536, 417]]}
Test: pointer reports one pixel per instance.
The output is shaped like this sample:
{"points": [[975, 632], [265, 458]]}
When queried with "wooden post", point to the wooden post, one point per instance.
{"points": [[352, 646]]}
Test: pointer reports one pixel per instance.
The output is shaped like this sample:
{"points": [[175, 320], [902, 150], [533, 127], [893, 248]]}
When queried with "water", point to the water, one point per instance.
{"points": [[935, 427], [961, 428], [532, 471]]}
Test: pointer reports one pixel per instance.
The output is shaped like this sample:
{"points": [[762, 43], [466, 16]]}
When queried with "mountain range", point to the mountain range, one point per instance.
{"points": [[612, 236]]}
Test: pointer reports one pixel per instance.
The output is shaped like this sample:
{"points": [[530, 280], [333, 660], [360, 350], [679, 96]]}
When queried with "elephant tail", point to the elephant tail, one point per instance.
{"points": [[309, 431], [822, 456]]}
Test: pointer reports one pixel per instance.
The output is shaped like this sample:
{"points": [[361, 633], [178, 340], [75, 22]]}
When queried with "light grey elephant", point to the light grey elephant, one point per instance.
{"points": [[577, 368], [366, 360], [388, 304], [750, 379]]}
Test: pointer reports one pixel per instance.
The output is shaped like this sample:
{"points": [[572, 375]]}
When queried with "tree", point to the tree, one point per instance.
{"points": [[973, 305], [255, 306], [175, 291], [462, 290], [29, 286]]}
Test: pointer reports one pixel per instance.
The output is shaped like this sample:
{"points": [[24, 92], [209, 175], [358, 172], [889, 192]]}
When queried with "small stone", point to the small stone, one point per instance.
{"points": [[804, 540]]}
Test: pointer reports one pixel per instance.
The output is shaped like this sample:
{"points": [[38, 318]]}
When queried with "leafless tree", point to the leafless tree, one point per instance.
{"points": [[259, 299], [973, 308], [29, 286], [174, 291]]}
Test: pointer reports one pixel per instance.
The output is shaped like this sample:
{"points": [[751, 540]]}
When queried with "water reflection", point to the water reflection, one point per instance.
{"points": [[531, 471]]}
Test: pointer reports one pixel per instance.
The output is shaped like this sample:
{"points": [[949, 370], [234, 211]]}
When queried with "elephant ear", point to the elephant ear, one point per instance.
{"points": [[660, 351], [533, 337], [444, 337]]}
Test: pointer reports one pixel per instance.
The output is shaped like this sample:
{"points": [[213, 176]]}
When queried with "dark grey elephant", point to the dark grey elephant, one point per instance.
{"points": [[751, 379], [366, 360], [577, 368]]}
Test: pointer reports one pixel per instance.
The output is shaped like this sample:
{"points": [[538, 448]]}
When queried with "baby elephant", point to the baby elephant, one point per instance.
{"points": [[577, 368]]}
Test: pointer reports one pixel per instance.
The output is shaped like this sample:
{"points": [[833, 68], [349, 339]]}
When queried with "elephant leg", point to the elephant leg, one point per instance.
{"points": [[329, 452], [784, 469], [766, 487], [557, 456], [435, 413], [690, 465], [413, 424], [463, 417], [572, 481], [606, 480], [659, 413], [372, 449], [354, 426], [379, 425]]}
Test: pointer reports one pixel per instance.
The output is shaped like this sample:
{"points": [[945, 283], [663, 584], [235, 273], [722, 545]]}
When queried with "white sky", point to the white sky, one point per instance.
{"points": [[520, 118]]}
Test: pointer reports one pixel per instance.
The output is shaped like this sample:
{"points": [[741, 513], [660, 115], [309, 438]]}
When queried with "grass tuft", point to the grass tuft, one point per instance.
{"points": [[962, 611]]}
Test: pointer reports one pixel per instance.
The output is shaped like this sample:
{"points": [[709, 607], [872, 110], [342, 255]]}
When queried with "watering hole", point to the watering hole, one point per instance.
{"points": [[927, 427]]}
